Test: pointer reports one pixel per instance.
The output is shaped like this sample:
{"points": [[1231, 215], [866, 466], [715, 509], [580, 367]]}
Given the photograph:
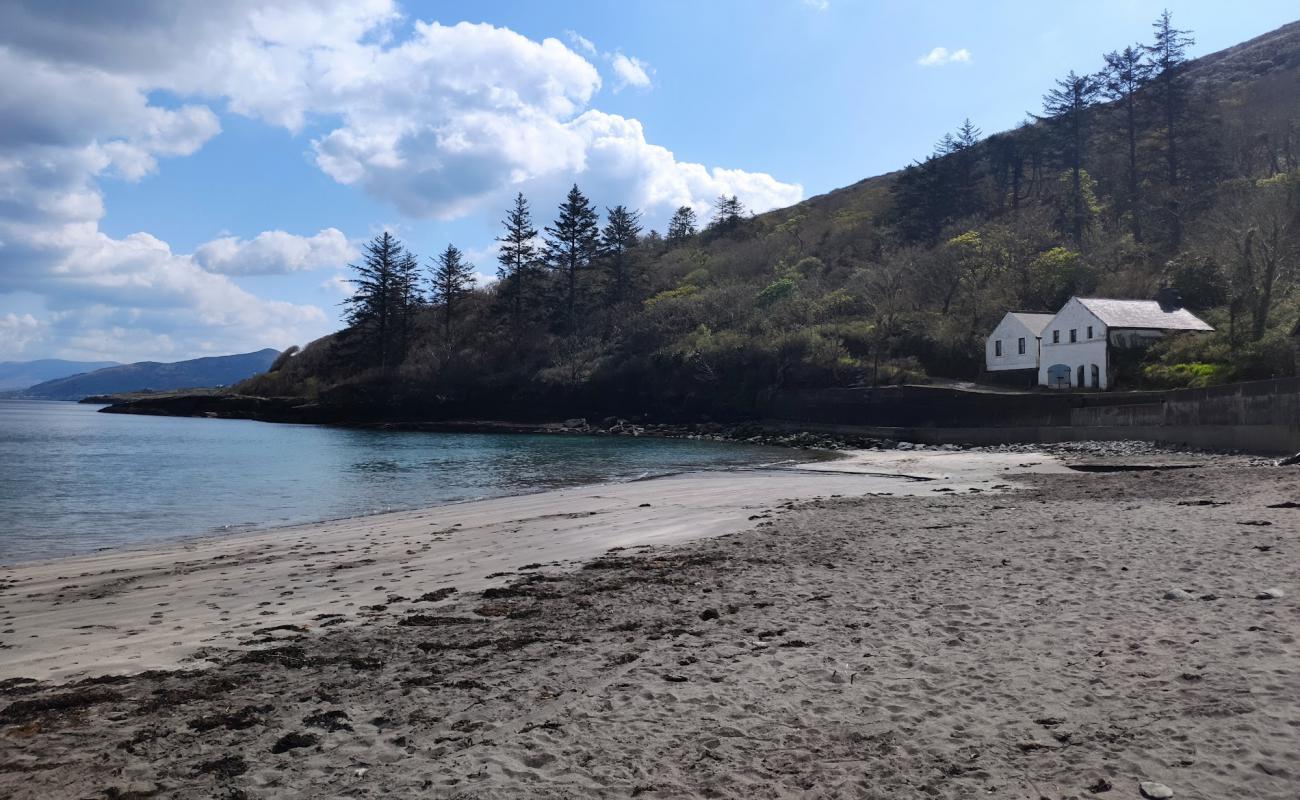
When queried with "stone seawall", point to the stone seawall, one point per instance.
{"points": [[1257, 416]]}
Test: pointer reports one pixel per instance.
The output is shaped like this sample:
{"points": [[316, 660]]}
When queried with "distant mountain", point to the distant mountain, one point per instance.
{"points": [[21, 374], [151, 375]]}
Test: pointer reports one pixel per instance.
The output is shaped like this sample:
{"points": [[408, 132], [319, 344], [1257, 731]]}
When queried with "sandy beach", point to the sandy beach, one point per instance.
{"points": [[897, 624]]}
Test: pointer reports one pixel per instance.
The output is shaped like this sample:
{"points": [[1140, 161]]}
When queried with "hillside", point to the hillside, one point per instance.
{"points": [[154, 376], [1144, 170], [21, 374]]}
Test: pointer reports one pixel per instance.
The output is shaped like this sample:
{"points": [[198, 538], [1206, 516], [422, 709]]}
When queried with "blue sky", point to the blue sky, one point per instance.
{"points": [[180, 137]]}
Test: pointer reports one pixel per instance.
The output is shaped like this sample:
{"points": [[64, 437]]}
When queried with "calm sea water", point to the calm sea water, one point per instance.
{"points": [[74, 481]]}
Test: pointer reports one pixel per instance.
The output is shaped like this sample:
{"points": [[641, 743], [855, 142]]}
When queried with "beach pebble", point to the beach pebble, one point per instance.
{"points": [[1154, 790], [1271, 594], [1178, 594]]}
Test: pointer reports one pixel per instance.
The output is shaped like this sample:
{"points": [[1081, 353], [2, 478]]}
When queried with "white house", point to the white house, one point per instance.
{"points": [[1011, 351], [1079, 341]]}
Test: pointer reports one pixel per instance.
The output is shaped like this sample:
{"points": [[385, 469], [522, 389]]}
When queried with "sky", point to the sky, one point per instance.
{"points": [[182, 178]]}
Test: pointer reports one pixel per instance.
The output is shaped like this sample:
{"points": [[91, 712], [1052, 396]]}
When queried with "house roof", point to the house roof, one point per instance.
{"points": [[1143, 314], [1035, 321]]}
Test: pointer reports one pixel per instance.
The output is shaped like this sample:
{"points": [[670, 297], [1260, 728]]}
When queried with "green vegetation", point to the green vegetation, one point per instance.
{"points": [[1153, 171]]}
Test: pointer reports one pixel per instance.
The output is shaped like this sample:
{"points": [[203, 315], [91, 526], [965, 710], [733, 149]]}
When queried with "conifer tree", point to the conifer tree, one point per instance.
{"points": [[452, 279], [383, 301], [1125, 73], [727, 212], [682, 226], [410, 299], [620, 235], [1067, 106], [1168, 54], [519, 262], [572, 244]]}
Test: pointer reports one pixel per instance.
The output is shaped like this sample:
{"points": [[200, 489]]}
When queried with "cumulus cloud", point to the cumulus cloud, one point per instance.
{"points": [[275, 253], [629, 71], [437, 120], [941, 56], [17, 333]]}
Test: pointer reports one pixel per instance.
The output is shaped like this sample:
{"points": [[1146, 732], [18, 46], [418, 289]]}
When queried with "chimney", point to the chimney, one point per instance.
{"points": [[1169, 298]]}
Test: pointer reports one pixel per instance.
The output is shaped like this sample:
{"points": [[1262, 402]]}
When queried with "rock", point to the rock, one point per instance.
{"points": [[708, 614], [1155, 791], [1102, 785], [1178, 594], [576, 422], [292, 741], [1271, 594], [1289, 461]]}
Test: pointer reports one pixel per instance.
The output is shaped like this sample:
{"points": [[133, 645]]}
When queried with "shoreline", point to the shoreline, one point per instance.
{"points": [[158, 607], [179, 540], [1079, 635]]}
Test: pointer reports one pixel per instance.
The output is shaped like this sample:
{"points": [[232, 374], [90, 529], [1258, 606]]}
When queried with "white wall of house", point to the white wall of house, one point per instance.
{"points": [[1011, 332], [1086, 348]]}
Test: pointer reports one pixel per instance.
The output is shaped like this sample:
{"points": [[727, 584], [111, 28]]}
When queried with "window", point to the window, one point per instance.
{"points": [[1056, 337], [1021, 346], [1096, 377], [1089, 331], [997, 348], [1074, 334]]}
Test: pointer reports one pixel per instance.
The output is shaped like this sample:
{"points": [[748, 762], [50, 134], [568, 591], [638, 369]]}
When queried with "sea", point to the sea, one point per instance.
{"points": [[74, 481]]}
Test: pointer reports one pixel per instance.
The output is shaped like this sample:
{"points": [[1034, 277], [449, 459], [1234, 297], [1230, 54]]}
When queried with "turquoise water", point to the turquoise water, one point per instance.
{"points": [[74, 481]]}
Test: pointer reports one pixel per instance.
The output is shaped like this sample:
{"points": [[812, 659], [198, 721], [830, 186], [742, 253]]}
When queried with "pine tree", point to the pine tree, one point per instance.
{"points": [[1168, 54], [727, 212], [452, 279], [409, 301], [385, 296], [1127, 72], [621, 234], [1067, 106], [682, 226], [572, 244], [519, 262]]}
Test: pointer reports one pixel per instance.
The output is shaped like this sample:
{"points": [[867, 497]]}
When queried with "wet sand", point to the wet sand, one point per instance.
{"points": [[1071, 637]]}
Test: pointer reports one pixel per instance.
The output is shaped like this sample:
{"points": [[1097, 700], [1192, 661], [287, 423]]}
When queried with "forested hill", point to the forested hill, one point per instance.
{"points": [[1142, 169]]}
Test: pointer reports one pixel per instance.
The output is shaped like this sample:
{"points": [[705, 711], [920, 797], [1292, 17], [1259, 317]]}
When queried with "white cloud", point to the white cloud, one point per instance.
{"points": [[275, 253], [17, 333], [629, 71], [340, 285], [818, 5], [436, 120], [940, 56], [580, 42]]}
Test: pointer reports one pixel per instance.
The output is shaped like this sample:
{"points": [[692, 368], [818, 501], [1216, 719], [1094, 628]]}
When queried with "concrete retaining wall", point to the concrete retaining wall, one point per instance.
{"points": [[1258, 416]]}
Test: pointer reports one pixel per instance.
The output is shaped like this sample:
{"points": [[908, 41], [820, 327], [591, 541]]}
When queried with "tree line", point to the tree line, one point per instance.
{"points": [[554, 277]]}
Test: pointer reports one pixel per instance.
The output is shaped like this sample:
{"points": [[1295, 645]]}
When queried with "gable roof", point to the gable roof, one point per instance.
{"points": [[1143, 315], [1035, 321]]}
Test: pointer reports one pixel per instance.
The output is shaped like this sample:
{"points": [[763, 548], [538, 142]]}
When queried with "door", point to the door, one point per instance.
{"points": [[1079, 383], [1058, 376]]}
